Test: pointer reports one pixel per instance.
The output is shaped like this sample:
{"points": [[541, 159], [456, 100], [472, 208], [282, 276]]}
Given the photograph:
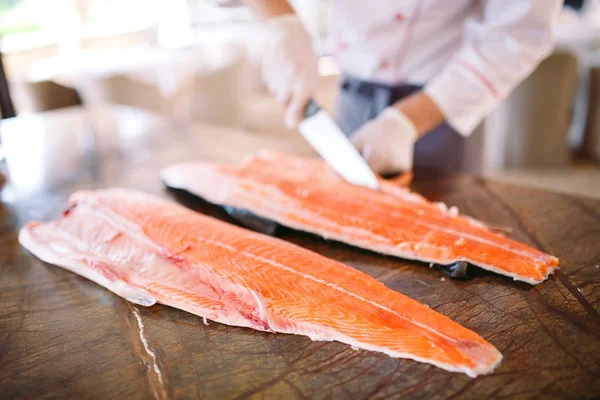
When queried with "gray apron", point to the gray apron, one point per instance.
{"points": [[442, 148]]}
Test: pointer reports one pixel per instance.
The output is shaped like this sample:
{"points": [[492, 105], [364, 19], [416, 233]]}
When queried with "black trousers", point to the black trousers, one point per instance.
{"points": [[443, 148]]}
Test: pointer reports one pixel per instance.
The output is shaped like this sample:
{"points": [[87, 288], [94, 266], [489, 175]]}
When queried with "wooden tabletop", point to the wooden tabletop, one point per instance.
{"points": [[62, 336]]}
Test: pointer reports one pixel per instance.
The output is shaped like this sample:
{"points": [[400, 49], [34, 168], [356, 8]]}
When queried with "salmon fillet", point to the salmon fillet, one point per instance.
{"points": [[148, 250], [305, 194]]}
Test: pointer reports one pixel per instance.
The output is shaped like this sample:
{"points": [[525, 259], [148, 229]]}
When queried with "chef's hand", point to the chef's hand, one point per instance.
{"points": [[289, 65], [387, 142]]}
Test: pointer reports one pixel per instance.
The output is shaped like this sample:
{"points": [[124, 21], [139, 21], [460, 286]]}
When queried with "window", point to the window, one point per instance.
{"points": [[99, 16], [19, 16], [26, 24]]}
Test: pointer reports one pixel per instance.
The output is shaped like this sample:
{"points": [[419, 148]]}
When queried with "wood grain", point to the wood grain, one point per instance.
{"points": [[62, 336]]}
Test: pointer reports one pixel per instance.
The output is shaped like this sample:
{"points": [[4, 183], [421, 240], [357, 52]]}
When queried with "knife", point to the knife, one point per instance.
{"points": [[323, 134]]}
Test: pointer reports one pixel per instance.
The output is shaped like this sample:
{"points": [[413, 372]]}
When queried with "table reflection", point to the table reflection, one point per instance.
{"points": [[77, 148], [46, 150]]}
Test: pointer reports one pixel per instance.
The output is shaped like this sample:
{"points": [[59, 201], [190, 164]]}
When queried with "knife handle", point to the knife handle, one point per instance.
{"points": [[311, 109]]}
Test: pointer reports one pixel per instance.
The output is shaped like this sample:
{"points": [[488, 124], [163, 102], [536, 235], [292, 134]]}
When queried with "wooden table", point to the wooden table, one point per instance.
{"points": [[62, 336]]}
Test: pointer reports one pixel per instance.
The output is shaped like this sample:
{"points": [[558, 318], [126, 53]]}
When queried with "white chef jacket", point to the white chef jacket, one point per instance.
{"points": [[468, 54]]}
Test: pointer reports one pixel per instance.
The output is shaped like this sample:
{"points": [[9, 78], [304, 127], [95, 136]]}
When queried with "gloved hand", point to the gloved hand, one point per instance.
{"points": [[289, 65], [387, 142]]}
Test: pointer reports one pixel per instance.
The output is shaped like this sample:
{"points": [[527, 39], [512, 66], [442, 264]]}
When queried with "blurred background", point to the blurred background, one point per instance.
{"points": [[194, 62]]}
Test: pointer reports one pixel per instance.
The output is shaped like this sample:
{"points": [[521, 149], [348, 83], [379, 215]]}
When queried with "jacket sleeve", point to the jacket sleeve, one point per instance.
{"points": [[500, 50]]}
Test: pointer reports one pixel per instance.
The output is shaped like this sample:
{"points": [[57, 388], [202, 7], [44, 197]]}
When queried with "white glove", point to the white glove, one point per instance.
{"points": [[387, 142], [289, 65]]}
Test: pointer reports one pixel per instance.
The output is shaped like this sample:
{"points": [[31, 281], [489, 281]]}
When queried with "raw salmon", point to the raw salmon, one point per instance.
{"points": [[148, 250], [305, 194]]}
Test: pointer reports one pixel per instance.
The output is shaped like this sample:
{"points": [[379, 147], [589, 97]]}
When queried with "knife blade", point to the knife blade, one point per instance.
{"points": [[326, 137]]}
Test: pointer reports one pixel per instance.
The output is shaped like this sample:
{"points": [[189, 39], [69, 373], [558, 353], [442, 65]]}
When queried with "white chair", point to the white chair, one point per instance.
{"points": [[591, 139], [531, 127]]}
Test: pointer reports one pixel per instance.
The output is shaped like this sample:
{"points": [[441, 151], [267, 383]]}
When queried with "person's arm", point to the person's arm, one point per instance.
{"points": [[265, 9], [499, 52], [289, 62], [422, 112]]}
